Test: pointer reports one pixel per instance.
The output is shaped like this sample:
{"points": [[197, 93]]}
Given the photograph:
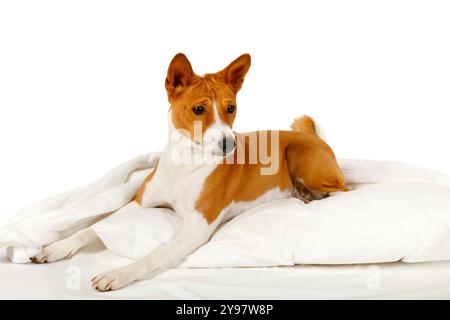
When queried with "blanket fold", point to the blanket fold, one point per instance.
{"points": [[60, 216]]}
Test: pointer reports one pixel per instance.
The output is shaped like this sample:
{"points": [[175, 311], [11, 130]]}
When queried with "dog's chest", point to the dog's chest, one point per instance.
{"points": [[180, 186], [176, 186]]}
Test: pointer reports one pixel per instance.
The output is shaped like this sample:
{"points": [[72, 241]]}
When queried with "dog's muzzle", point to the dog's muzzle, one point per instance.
{"points": [[227, 144]]}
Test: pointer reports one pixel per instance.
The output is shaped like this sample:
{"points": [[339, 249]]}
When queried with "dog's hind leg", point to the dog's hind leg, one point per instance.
{"points": [[313, 168], [305, 194]]}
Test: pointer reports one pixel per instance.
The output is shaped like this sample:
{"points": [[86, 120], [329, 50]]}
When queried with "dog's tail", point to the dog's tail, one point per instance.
{"points": [[306, 124]]}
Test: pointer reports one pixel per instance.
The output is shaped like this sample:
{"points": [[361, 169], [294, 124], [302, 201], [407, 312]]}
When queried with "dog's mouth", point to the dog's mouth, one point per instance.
{"points": [[221, 154], [218, 154]]}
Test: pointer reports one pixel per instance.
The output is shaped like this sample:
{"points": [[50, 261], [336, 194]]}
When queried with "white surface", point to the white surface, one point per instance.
{"points": [[382, 281], [82, 82]]}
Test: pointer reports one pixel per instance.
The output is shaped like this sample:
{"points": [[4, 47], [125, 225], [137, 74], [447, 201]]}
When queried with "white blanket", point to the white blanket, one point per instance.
{"points": [[396, 212], [60, 216]]}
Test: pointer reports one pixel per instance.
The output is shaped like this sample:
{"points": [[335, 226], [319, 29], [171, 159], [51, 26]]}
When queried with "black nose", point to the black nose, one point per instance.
{"points": [[227, 144]]}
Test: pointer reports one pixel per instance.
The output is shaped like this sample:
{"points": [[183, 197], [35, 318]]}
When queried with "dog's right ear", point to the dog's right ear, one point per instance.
{"points": [[179, 74]]}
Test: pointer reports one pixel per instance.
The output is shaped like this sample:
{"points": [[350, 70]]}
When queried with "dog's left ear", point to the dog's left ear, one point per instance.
{"points": [[235, 73]]}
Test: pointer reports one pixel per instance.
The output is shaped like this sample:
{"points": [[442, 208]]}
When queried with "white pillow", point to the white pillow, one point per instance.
{"points": [[135, 233], [401, 213]]}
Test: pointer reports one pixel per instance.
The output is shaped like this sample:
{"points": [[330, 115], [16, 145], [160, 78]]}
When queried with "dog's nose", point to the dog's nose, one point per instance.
{"points": [[227, 144]]}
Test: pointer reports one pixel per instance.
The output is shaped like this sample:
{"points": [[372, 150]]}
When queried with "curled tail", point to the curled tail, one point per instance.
{"points": [[306, 124]]}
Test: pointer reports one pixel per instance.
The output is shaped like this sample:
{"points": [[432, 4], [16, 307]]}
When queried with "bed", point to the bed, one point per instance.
{"points": [[397, 280], [388, 238]]}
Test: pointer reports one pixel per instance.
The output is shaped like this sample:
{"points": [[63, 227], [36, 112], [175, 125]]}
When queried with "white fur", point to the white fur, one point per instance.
{"points": [[217, 130], [65, 248], [235, 208], [177, 186]]}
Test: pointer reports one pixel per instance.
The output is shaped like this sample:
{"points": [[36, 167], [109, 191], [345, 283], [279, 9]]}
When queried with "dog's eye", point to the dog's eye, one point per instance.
{"points": [[198, 110], [231, 108]]}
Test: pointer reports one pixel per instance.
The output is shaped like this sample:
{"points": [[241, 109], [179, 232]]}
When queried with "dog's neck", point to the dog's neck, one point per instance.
{"points": [[181, 157]]}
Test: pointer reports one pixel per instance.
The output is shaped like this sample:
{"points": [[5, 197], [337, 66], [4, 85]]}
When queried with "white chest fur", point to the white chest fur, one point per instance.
{"points": [[179, 187], [176, 185]]}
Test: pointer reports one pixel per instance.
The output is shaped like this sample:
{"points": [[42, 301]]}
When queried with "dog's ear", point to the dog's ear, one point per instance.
{"points": [[235, 73], [179, 74]]}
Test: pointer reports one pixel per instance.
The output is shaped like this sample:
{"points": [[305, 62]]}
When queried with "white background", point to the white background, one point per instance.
{"points": [[81, 82]]}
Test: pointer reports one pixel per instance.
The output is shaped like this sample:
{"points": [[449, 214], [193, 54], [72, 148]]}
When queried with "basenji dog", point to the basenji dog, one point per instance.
{"points": [[208, 174]]}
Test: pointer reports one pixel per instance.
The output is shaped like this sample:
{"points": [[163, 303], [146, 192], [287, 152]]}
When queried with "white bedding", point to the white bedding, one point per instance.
{"points": [[398, 280], [395, 212]]}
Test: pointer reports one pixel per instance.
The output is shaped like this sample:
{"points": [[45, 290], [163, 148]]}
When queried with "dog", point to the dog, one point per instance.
{"points": [[208, 174]]}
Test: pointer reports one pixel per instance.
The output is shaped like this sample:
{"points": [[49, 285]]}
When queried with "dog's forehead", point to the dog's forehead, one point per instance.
{"points": [[209, 86], [217, 85], [205, 90]]}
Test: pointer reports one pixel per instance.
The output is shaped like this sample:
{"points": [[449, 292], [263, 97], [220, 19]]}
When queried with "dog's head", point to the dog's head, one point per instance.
{"points": [[203, 108]]}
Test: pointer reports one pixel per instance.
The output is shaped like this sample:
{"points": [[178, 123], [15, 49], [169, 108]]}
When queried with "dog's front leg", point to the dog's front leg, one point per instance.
{"points": [[66, 248], [194, 232]]}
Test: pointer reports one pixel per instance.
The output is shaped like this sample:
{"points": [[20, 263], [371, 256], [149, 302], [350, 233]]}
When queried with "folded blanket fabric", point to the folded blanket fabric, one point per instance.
{"points": [[60, 216], [359, 226]]}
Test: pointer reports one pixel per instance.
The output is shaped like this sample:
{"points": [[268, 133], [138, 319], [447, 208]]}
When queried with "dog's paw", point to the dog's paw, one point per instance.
{"points": [[305, 194], [109, 281], [56, 251]]}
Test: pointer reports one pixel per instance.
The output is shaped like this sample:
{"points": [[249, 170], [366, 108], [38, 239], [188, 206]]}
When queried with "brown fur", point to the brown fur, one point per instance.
{"points": [[186, 90], [143, 186], [304, 124], [302, 156]]}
